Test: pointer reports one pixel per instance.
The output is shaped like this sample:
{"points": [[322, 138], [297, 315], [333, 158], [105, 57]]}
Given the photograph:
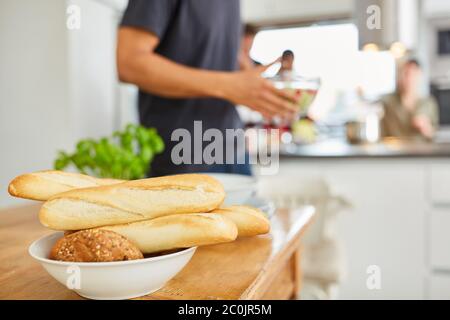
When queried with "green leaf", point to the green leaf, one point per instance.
{"points": [[126, 154], [146, 154], [158, 144], [136, 169]]}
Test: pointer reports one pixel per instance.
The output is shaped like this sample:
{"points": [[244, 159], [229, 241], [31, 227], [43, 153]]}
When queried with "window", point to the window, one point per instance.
{"points": [[331, 53]]}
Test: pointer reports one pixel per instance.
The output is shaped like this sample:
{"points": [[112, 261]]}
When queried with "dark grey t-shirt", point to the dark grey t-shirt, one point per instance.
{"points": [[203, 34]]}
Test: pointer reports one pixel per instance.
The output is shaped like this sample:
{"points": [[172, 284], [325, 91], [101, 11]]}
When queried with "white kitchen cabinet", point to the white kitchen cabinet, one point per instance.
{"points": [[440, 287], [440, 238], [385, 229], [440, 183], [387, 226]]}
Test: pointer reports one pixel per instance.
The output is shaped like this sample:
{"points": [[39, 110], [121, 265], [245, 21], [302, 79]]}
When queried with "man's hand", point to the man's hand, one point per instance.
{"points": [[423, 125], [249, 88]]}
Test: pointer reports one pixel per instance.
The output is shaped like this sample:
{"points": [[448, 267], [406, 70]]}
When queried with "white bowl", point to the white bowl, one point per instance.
{"points": [[239, 188], [110, 280]]}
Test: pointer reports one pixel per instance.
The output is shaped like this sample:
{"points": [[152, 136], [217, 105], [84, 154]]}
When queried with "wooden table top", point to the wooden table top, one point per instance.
{"points": [[235, 270]]}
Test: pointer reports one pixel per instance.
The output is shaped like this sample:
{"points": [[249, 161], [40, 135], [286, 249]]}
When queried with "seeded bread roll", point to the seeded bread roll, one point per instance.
{"points": [[249, 221], [177, 231], [131, 201], [94, 246], [42, 185]]}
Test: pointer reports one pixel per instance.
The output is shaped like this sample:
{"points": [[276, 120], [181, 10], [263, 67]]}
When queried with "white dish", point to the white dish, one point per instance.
{"points": [[266, 206], [239, 188], [110, 280]]}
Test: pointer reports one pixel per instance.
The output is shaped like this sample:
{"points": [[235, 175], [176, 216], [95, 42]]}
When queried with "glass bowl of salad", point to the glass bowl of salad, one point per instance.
{"points": [[304, 88]]}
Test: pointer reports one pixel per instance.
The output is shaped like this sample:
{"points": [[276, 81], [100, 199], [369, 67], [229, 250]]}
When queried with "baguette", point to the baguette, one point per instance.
{"points": [[42, 185], [249, 221], [131, 201], [177, 231]]}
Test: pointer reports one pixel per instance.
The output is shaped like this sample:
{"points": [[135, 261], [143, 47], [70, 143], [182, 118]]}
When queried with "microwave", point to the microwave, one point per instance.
{"points": [[443, 42], [442, 95]]}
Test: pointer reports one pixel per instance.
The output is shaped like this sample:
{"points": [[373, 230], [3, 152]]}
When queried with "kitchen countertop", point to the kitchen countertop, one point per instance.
{"points": [[261, 267], [391, 148]]}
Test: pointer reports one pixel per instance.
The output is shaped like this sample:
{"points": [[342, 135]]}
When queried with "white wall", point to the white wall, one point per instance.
{"points": [[436, 8], [33, 112], [93, 82], [435, 15], [56, 85], [269, 10]]}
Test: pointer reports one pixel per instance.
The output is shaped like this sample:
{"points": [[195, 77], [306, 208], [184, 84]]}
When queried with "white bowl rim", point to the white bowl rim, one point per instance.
{"points": [[231, 175], [250, 182], [101, 264]]}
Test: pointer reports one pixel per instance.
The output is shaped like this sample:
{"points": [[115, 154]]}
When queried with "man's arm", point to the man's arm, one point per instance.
{"points": [[137, 63]]}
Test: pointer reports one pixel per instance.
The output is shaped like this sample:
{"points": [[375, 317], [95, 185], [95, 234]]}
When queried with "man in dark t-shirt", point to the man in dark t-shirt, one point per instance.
{"points": [[182, 54]]}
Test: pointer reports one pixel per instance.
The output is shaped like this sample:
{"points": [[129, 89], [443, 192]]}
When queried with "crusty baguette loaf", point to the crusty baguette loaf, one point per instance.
{"points": [[177, 231], [94, 246], [42, 185], [249, 221], [131, 201]]}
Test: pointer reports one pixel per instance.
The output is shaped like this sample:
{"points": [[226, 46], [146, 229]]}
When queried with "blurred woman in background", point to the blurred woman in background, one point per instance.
{"points": [[406, 113]]}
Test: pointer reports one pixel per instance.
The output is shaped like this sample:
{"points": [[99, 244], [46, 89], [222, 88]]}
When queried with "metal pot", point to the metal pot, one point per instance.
{"points": [[363, 131]]}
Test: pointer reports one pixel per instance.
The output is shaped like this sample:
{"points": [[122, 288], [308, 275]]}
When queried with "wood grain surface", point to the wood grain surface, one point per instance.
{"points": [[263, 267]]}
